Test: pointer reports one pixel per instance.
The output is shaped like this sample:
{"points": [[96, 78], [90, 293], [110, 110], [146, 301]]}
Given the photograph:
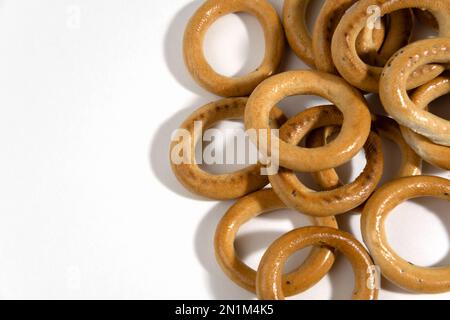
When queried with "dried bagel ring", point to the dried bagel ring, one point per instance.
{"points": [[394, 38], [195, 32], [225, 186], [325, 179], [355, 127], [314, 268], [394, 95], [333, 202], [394, 268], [435, 154], [297, 34], [411, 164], [366, 77], [269, 276], [387, 128], [299, 37]]}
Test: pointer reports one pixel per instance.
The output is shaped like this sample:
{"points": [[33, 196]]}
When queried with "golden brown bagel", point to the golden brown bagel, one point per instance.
{"points": [[340, 199], [393, 267], [226, 186], [394, 95], [269, 276], [315, 267], [355, 128], [195, 59]]}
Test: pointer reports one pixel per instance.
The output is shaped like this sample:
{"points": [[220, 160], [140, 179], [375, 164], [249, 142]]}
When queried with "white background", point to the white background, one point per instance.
{"points": [[90, 92]]}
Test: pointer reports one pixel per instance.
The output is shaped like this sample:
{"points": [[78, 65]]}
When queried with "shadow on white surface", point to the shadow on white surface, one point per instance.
{"points": [[343, 269], [250, 245], [159, 151], [350, 223], [221, 287], [173, 48], [441, 211], [430, 170]]}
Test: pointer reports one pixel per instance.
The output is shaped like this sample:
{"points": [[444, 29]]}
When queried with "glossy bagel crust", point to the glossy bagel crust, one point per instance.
{"points": [[226, 186], [299, 37], [367, 42], [198, 66], [366, 77], [297, 34], [269, 276], [435, 154], [355, 128], [393, 267], [314, 268], [394, 95], [411, 164], [332, 202]]}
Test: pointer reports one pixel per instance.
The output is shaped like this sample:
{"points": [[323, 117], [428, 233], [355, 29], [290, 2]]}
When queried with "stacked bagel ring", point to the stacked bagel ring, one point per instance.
{"points": [[350, 54]]}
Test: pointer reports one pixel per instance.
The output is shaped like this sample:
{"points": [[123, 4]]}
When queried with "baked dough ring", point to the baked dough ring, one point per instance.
{"points": [[395, 98], [225, 186], [333, 202], [435, 154], [297, 34], [411, 164], [315, 267], [366, 77], [299, 38], [394, 38], [394, 268], [269, 276], [355, 128], [199, 67]]}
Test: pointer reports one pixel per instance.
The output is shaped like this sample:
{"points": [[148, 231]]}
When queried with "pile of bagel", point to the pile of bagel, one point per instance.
{"points": [[355, 48]]}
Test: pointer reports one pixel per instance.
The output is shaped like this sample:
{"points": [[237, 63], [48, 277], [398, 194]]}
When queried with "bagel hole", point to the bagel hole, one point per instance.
{"points": [[338, 284], [349, 171], [418, 231], [420, 31], [234, 45], [294, 105], [440, 107], [255, 236], [423, 31], [428, 169], [392, 161], [291, 107], [224, 154], [291, 61], [375, 105], [313, 13], [308, 180]]}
